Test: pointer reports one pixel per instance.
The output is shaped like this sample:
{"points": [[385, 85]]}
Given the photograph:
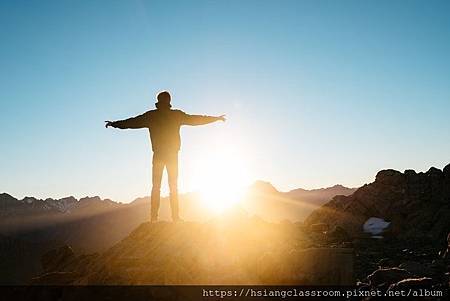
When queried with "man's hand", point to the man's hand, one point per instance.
{"points": [[222, 118], [108, 123]]}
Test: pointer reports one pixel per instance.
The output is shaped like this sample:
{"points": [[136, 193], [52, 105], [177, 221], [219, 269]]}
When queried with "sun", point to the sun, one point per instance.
{"points": [[221, 195], [221, 178]]}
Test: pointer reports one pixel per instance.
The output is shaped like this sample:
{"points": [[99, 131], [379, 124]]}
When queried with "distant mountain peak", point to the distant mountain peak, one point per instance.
{"points": [[90, 199], [338, 186], [7, 199], [29, 199], [336, 189], [6, 195], [261, 186]]}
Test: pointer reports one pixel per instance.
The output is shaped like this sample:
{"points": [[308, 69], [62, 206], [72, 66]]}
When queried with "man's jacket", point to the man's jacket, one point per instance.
{"points": [[164, 126]]}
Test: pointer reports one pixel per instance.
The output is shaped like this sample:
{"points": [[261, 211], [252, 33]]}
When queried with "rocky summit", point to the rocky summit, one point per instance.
{"points": [[228, 250]]}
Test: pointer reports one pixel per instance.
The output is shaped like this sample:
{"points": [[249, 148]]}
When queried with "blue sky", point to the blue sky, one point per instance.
{"points": [[316, 92]]}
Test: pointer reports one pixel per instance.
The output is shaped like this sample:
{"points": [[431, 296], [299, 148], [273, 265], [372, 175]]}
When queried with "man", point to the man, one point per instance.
{"points": [[164, 128]]}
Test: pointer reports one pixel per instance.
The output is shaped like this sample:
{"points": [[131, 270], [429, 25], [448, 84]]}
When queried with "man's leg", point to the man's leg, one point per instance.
{"points": [[157, 170], [172, 172]]}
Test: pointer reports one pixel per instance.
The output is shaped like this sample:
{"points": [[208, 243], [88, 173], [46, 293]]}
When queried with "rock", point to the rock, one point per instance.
{"points": [[412, 283], [437, 267], [347, 244], [436, 179], [417, 205], [385, 263], [433, 171], [390, 177], [270, 267], [415, 268], [319, 227], [383, 277], [446, 253], [410, 173], [57, 258], [446, 171], [338, 234], [375, 225], [55, 278], [327, 266]]}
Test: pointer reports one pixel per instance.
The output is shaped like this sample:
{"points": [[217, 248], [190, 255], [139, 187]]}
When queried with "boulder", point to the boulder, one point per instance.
{"points": [[375, 225], [415, 268], [385, 263], [383, 277], [446, 171], [412, 283], [390, 177], [410, 173]]}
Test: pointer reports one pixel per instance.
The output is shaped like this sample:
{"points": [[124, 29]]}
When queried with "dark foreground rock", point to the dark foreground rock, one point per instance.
{"points": [[417, 205], [412, 283], [224, 251], [392, 264], [386, 277]]}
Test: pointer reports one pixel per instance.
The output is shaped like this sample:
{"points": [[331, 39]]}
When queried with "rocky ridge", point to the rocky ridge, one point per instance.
{"points": [[417, 205]]}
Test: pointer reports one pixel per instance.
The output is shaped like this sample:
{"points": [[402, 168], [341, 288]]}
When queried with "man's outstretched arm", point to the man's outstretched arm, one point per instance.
{"points": [[201, 119], [137, 122]]}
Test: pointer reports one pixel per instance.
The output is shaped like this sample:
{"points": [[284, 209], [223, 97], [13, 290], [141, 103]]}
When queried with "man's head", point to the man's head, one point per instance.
{"points": [[163, 100]]}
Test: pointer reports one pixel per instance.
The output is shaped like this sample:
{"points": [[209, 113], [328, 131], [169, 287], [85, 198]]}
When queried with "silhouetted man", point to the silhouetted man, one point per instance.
{"points": [[164, 127]]}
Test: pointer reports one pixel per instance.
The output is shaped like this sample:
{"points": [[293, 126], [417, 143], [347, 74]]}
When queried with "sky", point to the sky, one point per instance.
{"points": [[316, 92]]}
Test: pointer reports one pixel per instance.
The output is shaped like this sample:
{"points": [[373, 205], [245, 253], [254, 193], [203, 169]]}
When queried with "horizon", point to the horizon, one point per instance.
{"points": [[197, 192], [316, 93], [166, 195]]}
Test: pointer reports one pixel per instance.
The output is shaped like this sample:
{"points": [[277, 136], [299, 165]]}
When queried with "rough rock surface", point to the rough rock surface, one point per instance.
{"points": [[387, 276], [225, 251], [416, 204]]}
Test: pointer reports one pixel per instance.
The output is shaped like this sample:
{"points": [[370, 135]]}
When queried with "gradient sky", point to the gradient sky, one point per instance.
{"points": [[316, 92]]}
